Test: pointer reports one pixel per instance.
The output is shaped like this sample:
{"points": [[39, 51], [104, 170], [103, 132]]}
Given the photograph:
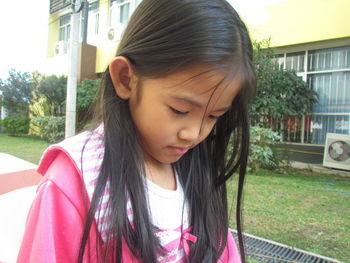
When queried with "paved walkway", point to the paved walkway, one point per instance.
{"points": [[18, 180], [318, 168], [16, 173], [14, 207]]}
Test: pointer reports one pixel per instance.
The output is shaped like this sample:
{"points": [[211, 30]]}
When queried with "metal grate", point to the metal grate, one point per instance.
{"points": [[269, 251]]}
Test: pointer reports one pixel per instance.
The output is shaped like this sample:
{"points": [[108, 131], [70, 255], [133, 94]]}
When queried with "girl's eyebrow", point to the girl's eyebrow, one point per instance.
{"points": [[188, 100], [224, 108], [198, 104]]}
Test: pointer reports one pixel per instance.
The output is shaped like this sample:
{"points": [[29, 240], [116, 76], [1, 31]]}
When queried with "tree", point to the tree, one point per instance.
{"points": [[86, 97], [17, 93], [87, 93], [53, 90], [279, 92]]}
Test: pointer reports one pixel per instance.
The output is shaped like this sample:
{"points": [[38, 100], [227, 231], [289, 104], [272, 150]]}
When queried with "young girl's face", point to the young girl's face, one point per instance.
{"points": [[175, 113]]}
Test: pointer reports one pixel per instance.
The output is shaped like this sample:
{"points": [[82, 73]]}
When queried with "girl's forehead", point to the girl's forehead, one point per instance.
{"points": [[202, 82], [206, 77]]}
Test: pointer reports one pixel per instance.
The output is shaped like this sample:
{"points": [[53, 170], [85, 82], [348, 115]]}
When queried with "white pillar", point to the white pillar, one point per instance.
{"points": [[3, 112], [302, 129], [3, 109], [72, 76]]}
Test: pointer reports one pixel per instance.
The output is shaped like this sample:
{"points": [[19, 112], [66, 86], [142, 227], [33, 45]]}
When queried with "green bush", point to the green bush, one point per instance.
{"points": [[15, 126], [87, 93], [262, 155], [51, 128], [86, 98], [50, 95]]}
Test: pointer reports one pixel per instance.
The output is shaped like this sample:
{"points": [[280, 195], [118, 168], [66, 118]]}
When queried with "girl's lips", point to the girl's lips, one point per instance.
{"points": [[179, 150]]}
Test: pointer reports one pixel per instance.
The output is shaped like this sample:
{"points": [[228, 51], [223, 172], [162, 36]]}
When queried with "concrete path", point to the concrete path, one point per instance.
{"points": [[18, 183], [16, 173], [318, 168], [14, 207]]}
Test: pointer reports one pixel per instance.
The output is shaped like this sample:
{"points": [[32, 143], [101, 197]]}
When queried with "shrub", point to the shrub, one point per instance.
{"points": [[87, 93], [262, 155], [50, 95], [17, 92], [51, 128], [86, 98], [15, 126]]}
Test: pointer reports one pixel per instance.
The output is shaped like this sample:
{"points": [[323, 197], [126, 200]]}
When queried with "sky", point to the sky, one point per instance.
{"points": [[24, 25], [23, 29]]}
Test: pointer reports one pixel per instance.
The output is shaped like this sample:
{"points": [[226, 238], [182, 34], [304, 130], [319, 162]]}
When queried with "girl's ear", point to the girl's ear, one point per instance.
{"points": [[123, 77]]}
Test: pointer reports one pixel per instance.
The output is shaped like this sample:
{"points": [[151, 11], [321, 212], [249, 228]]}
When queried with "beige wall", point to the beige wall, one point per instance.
{"points": [[302, 21]]}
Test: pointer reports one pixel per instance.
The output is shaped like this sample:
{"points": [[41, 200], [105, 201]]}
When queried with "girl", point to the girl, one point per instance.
{"points": [[147, 184]]}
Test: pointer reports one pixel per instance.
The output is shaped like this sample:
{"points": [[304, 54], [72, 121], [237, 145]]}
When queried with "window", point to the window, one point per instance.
{"points": [[97, 18], [320, 125], [120, 12], [333, 102], [333, 90], [329, 59], [94, 16], [137, 2], [279, 61], [327, 72], [64, 31], [295, 61]]}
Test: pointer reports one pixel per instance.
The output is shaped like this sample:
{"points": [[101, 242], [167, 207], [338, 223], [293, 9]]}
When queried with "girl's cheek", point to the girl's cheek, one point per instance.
{"points": [[206, 129]]}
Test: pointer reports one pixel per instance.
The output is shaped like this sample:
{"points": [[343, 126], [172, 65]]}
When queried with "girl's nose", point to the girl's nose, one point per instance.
{"points": [[190, 133]]}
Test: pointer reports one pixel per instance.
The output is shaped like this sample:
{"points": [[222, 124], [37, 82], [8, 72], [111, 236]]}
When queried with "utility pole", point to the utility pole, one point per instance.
{"points": [[85, 20], [73, 67]]}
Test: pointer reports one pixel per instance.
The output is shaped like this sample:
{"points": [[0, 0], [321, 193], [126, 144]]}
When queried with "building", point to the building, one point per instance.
{"points": [[311, 37], [106, 20]]}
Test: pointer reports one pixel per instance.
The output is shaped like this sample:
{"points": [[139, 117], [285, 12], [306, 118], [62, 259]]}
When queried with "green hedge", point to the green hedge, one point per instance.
{"points": [[15, 126], [51, 128]]}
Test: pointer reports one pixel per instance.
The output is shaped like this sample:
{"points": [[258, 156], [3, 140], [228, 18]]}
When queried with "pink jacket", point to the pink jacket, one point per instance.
{"points": [[57, 216]]}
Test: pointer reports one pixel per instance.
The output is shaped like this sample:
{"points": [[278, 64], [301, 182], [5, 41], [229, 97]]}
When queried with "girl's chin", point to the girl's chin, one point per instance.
{"points": [[167, 157], [169, 160]]}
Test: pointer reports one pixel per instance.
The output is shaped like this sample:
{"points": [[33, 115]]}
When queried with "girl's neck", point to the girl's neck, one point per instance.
{"points": [[162, 175]]}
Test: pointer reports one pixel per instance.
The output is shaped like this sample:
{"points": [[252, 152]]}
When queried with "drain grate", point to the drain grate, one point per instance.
{"points": [[269, 251]]}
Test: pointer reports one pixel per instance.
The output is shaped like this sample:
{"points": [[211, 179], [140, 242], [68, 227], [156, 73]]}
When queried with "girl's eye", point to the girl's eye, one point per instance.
{"points": [[178, 112], [214, 117]]}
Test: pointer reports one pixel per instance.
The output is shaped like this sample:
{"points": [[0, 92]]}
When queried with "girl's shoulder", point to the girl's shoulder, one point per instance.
{"points": [[85, 152]]}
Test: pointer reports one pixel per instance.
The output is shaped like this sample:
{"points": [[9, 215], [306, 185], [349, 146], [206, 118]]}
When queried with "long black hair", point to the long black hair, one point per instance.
{"points": [[162, 37]]}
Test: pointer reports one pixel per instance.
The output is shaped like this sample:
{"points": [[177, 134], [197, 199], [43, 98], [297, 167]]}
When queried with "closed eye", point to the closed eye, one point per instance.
{"points": [[214, 117], [178, 112]]}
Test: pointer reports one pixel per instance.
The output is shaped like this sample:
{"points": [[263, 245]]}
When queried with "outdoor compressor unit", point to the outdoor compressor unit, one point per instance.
{"points": [[337, 151]]}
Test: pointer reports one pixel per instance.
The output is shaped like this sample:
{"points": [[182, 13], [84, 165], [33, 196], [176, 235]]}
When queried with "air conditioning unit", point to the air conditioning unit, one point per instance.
{"points": [[337, 151], [61, 48], [115, 33]]}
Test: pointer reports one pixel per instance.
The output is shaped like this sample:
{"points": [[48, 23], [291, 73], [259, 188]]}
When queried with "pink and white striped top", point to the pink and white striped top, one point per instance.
{"points": [[167, 209]]}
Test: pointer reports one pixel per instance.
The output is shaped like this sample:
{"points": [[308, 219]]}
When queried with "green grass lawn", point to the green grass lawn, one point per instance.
{"points": [[24, 147], [301, 209]]}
